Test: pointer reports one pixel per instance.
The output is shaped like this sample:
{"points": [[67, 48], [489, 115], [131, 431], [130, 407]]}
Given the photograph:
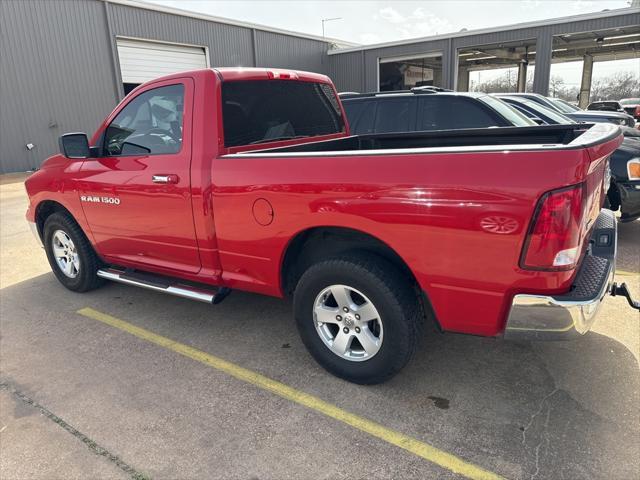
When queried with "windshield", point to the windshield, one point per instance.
{"points": [[563, 106], [509, 113], [544, 111], [630, 101]]}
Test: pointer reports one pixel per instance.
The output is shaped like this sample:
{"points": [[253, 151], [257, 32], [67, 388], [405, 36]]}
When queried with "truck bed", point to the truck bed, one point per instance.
{"points": [[571, 135]]}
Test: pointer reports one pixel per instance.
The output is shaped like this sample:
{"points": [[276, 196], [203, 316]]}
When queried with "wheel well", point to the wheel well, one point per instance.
{"points": [[44, 210], [316, 244]]}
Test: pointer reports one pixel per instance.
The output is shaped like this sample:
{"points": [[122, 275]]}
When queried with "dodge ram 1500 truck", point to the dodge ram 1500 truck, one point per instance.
{"points": [[219, 179]]}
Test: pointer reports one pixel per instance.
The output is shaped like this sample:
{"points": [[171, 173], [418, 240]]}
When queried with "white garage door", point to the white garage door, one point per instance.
{"points": [[141, 61]]}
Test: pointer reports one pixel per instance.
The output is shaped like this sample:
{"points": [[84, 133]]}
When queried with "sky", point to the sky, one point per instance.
{"points": [[368, 22]]}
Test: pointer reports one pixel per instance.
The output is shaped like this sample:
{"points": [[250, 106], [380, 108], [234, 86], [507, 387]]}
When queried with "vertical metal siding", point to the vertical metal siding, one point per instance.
{"points": [[56, 76], [282, 51], [346, 71]]}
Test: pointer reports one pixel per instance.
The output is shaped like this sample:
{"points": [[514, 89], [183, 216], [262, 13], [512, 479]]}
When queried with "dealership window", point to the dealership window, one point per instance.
{"points": [[406, 73], [262, 111]]}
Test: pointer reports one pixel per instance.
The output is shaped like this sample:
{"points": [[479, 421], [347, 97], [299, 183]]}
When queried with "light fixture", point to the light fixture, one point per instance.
{"points": [[480, 58], [466, 54], [619, 43], [560, 49], [622, 36]]}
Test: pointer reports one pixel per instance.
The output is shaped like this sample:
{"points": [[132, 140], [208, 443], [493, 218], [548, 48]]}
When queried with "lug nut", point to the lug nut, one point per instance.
{"points": [[357, 329], [357, 317], [339, 318], [345, 309], [345, 330]]}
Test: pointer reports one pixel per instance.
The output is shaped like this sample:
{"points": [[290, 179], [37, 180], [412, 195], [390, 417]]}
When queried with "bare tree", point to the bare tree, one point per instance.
{"points": [[616, 86]]}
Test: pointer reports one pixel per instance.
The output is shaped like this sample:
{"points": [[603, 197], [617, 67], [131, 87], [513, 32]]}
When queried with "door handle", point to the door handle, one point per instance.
{"points": [[165, 178]]}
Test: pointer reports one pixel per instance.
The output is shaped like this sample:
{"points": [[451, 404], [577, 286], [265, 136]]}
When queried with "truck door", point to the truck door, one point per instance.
{"points": [[137, 195]]}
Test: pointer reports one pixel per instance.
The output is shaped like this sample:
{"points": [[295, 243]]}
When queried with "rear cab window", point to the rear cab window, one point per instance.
{"points": [[262, 111]]}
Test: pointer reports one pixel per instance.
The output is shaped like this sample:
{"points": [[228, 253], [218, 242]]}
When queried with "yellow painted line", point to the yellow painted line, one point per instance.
{"points": [[421, 449]]}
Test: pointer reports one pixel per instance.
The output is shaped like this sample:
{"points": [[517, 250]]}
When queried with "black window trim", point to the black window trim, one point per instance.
{"points": [[103, 136]]}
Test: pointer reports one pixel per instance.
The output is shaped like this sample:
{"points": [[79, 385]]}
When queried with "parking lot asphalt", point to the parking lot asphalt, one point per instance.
{"points": [[83, 398]]}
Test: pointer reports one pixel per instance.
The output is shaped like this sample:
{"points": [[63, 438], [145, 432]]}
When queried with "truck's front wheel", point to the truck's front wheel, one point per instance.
{"points": [[71, 256], [359, 317]]}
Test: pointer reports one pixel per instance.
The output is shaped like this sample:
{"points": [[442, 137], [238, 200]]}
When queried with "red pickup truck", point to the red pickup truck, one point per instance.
{"points": [[207, 181]]}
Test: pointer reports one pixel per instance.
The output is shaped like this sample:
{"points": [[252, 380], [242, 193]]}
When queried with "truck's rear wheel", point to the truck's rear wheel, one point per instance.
{"points": [[71, 256], [359, 317]]}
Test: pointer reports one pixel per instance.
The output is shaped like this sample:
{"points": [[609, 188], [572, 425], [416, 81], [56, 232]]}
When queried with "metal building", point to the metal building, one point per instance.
{"points": [[446, 60], [64, 64]]}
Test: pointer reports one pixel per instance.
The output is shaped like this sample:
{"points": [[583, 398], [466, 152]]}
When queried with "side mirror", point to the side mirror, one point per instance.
{"points": [[74, 145]]}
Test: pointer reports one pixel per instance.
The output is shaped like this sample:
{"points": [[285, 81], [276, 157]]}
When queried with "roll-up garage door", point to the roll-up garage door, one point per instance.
{"points": [[141, 60]]}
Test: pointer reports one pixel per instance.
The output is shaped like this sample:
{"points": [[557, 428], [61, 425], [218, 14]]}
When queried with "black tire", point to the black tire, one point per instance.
{"points": [[86, 278], [393, 296]]}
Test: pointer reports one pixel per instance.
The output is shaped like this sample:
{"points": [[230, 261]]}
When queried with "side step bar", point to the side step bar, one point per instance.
{"points": [[167, 285]]}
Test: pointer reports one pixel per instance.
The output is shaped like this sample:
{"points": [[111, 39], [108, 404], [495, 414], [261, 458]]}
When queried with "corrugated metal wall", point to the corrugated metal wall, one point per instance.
{"points": [[282, 51], [59, 73], [345, 71], [55, 76]]}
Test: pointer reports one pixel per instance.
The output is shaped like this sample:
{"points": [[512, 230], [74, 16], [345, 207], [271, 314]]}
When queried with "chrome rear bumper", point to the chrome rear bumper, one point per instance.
{"points": [[544, 317]]}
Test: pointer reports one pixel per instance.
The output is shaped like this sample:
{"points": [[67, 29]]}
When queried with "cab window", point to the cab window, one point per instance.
{"points": [[150, 124], [258, 111]]}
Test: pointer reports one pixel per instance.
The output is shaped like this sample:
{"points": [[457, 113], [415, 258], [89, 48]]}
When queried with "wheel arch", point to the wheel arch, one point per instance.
{"points": [[46, 208], [321, 242]]}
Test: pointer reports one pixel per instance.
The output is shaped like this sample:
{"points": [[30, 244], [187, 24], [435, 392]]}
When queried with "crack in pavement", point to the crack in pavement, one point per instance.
{"points": [[91, 445], [545, 436], [533, 417]]}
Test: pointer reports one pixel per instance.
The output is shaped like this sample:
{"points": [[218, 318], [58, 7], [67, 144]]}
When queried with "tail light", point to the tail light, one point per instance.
{"points": [[555, 237], [637, 114]]}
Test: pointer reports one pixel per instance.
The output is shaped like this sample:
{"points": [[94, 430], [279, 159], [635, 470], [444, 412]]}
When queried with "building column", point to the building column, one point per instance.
{"points": [[585, 84], [449, 66], [542, 73], [522, 76], [463, 80]]}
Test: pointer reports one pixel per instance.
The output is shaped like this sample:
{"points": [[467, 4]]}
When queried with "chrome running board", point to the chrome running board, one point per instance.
{"points": [[159, 283]]}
